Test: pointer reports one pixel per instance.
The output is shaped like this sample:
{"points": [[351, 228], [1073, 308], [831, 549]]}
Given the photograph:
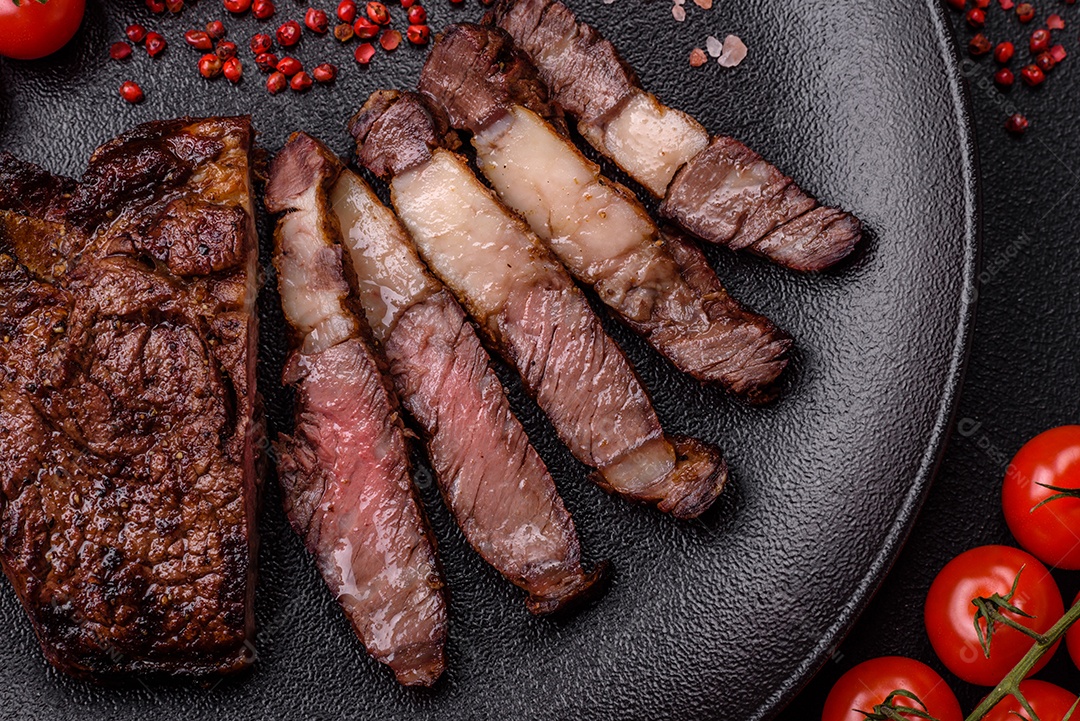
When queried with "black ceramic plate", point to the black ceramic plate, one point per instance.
{"points": [[721, 618]]}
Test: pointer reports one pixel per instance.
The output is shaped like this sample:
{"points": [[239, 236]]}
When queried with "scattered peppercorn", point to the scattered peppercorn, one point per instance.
{"points": [[131, 92], [364, 53], [261, 43], [1054, 22], [233, 70], [324, 73], [316, 21], [237, 7], [418, 34], [210, 66], [289, 34], [976, 18], [120, 51], [390, 40], [1016, 124], [263, 9], [981, 3], [276, 83], [407, 3], [135, 33], [1025, 12], [346, 11], [156, 6], [155, 44], [301, 82], [215, 29], [378, 13], [979, 45], [365, 29], [266, 62], [1032, 75], [1045, 61], [226, 49], [1004, 78], [957, 4], [174, 6], [1058, 53], [1003, 53], [417, 15], [288, 66], [199, 40], [1040, 41], [344, 32]]}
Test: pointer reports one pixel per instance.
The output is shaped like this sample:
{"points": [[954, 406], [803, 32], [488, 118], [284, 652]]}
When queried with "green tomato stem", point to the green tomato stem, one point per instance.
{"points": [[1010, 685]]}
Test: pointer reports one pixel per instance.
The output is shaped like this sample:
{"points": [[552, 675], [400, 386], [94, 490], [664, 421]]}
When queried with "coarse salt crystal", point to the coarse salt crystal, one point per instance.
{"points": [[698, 58], [678, 12], [734, 52], [714, 46], [680, 2], [607, 2], [1054, 22], [704, 4]]}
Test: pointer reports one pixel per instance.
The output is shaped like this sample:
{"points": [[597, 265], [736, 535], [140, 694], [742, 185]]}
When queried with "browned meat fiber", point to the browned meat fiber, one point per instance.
{"points": [[345, 469], [128, 425], [531, 311], [716, 188], [596, 227]]}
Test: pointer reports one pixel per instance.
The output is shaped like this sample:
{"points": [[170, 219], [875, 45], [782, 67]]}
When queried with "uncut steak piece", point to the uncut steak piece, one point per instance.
{"points": [[492, 479], [129, 431], [595, 226], [531, 311], [345, 469], [716, 188]]}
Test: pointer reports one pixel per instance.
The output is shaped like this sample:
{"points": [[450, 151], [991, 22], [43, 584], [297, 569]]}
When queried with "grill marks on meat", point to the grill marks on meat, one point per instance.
{"points": [[492, 479], [539, 320], [596, 227], [127, 410], [717, 188], [345, 469]]}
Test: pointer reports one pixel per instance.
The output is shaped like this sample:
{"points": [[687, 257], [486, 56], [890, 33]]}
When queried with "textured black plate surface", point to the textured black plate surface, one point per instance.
{"points": [[721, 618]]}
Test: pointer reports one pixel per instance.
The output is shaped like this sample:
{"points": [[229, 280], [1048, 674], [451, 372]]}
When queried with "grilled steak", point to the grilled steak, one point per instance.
{"points": [[717, 188], [596, 227], [345, 469], [532, 311], [128, 422], [492, 479]]}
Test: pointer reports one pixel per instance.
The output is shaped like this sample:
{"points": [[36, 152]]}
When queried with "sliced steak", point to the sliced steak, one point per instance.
{"points": [[717, 188], [128, 423], [596, 227], [493, 480], [534, 314], [345, 469]]}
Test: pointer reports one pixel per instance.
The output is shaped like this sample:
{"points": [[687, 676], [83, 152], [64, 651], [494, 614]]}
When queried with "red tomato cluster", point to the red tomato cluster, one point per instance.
{"points": [[985, 606]]}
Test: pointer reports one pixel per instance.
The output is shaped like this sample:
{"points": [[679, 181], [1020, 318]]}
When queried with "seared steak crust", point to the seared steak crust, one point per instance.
{"points": [[128, 483], [345, 469], [724, 192], [541, 322], [596, 227]]}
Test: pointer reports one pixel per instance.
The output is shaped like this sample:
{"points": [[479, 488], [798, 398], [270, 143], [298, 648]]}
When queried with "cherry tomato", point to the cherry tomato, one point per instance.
{"points": [[1072, 639], [1052, 531], [33, 29], [1049, 702], [870, 683], [950, 613]]}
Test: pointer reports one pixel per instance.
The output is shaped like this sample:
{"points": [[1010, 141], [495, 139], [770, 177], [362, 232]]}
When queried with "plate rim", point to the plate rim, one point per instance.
{"points": [[941, 432]]}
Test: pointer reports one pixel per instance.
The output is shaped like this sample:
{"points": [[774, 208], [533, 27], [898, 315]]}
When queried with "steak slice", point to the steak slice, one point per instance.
{"points": [[596, 227], [128, 422], [345, 469], [492, 479], [718, 189], [532, 312]]}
